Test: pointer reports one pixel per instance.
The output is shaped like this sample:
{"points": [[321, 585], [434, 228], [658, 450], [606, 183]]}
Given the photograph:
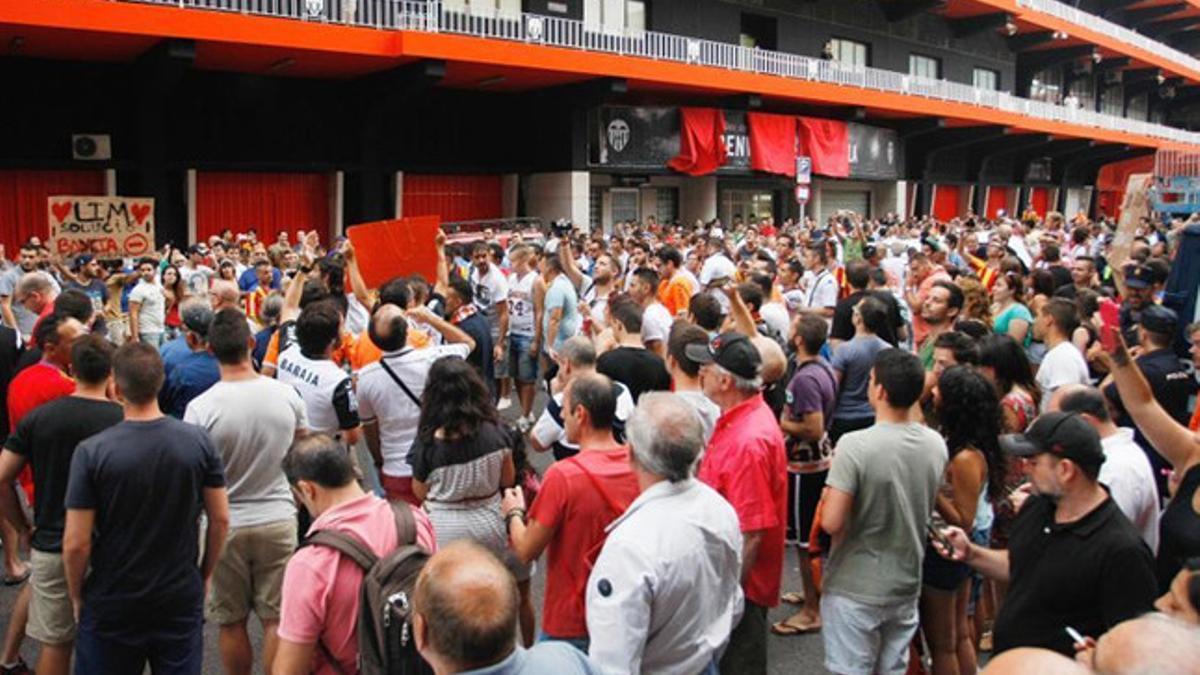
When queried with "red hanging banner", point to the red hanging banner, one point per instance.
{"points": [[772, 143], [701, 147], [828, 143]]}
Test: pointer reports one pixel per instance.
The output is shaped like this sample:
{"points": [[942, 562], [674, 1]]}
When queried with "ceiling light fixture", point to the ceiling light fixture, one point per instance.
{"points": [[1061, 35], [1010, 28]]}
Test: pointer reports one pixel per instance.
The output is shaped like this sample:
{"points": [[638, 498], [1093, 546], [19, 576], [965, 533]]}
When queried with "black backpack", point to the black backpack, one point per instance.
{"points": [[385, 640]]}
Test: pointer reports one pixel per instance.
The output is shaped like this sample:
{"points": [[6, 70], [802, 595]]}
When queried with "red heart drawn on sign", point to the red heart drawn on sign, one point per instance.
{"points": [[61, 210], [140, 211]]}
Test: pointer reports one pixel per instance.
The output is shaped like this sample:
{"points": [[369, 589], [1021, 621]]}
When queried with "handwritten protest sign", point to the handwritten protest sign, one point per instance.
{"points": [[390, 248], [108, 227]]}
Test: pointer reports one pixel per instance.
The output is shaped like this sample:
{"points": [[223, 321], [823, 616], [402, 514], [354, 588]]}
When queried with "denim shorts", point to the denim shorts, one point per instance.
{"points": [[522, 366]]}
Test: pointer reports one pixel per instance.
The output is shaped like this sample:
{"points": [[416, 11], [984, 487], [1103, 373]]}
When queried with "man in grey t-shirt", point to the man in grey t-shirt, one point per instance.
{"points": [[16, 316], [882, 488], [253, 421]]}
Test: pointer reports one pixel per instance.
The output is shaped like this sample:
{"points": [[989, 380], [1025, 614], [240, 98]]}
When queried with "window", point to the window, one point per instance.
{"points": [[849, 52], [625, 204], [1083, 92], [757, 31], [1139, 107], [1047, 85], [618, 17], [1112, 100], [596, 206], [920, 65], [986, 78], [667, 204]]}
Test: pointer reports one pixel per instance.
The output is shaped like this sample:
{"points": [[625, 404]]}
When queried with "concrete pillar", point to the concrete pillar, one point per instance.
{"points": [[509, 184], [698, 199], [562, 194], [890, 197]]}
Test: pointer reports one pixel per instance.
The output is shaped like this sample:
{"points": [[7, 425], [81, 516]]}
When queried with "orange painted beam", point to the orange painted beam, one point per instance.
{"points": [[225, 27]]}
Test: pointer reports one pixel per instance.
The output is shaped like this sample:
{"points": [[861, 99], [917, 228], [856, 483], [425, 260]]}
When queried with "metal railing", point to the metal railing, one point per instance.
{"points": [[1107, 28], [418, 15]]}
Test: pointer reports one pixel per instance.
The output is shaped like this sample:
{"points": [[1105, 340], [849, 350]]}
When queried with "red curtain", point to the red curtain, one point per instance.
{"points": [[772, 143], [828, 143], [701, 147], [453, 198], [24, 201], [997, 199], [1039, 200], [945, 202], [267, 202]]}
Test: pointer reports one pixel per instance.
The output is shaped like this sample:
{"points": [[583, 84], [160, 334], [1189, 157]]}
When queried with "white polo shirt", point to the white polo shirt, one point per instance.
{"points": [[676, 552], [1130, 479], [382, 400]]}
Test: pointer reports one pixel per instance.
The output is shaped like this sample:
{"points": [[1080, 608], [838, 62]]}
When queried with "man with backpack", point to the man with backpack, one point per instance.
{"points": [[322, 587]]}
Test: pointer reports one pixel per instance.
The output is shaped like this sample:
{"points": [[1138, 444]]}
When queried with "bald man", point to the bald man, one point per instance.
{"points": [[1033, 661], [465, 618], [224, 294], [1152, 643]]}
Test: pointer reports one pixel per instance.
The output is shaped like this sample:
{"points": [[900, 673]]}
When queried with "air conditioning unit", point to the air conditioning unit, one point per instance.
{"points": [[91, 146]]}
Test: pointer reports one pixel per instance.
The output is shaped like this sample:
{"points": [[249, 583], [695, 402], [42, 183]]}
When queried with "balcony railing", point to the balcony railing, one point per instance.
{"points": [[1079, 17], [416, 15]]}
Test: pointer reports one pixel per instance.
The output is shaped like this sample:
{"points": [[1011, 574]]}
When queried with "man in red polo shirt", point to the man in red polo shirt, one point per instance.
{"points": [[40, 383], [580, 497], [746, 463]]}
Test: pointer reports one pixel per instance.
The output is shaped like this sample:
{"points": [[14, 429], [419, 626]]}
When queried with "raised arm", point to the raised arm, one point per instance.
{"points": [[357, 284], [451, 333], [570, 267]]}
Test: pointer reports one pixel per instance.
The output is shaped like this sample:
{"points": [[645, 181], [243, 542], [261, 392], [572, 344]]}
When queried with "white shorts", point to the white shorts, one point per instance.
{"points": [[861, 639]]}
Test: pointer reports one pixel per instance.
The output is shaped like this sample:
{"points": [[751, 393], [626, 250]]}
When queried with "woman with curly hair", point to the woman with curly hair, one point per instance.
{"points": [[461, 460], [976, 304], [969, 413]]}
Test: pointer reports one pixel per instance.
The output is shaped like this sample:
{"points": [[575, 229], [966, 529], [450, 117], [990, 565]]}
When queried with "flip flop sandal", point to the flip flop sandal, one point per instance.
{"points": [[792, 598], [16, 581], [786, 629]]}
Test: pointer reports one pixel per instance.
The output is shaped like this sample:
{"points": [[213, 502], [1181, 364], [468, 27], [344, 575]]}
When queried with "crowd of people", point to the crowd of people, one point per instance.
{"points": [[979, 437]]}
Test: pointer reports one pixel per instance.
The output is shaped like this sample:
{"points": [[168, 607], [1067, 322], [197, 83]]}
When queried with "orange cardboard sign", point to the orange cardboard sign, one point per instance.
{"points": [[387, 249]]}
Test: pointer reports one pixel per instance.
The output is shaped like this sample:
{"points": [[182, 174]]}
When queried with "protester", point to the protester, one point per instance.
{"points": [[490, 290], [308, 365], [580, 496], [632, 362], [526, 295], [873, 578], [189, 368], [45, 439], [147, 306], [942, 307], [142, 599], [852, 363], [656, 319], [252, 420], [676, 551], [1153, 643], [321, 588], [1063, 363], [805, 422], [576, 358], [16, 316], [465, 615], [1093, 571], [746, 463], [1126, 471], [685, 374], [389, 391]]}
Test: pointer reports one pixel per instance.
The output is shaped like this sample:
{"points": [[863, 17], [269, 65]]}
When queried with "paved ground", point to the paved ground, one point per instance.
{"points": [[791, 655]]}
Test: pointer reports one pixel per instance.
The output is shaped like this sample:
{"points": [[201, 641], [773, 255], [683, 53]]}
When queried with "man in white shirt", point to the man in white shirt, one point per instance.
{"points": [[675, 552], [716, 266], [1126, 470], [656, 320], [1063, 363], [389, 391], [821, 293], [147, 306], [576, 357], [489, 288]]}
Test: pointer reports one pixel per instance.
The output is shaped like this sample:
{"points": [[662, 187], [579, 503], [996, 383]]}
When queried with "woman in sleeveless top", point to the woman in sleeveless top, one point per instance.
{"points": [[461, 459], [969, 416]]}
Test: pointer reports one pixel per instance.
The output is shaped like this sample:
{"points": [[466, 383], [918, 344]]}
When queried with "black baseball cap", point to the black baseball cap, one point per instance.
{"points": [[197, 317], [732, 351], [1063, 434], [1159, 319], [1140, 277]]}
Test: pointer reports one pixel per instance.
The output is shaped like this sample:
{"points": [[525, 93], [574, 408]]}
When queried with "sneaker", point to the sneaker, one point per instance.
{"points": [[504, 403], [524, 424]]}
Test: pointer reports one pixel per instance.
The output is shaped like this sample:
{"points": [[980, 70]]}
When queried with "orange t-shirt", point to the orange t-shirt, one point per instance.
{"points": [[675, 294]]}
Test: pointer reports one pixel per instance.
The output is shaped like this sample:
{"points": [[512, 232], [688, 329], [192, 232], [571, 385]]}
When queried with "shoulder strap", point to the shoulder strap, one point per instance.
{"points": [[345, 543], [612, 503], [406, 524], [391, 373]]}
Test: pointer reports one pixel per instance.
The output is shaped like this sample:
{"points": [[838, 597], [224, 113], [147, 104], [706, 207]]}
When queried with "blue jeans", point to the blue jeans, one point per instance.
{"points": [[171, 645], [522, 366]]}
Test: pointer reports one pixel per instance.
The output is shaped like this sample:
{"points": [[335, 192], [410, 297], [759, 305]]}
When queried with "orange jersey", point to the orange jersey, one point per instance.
{"points": [[675, 294]]}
